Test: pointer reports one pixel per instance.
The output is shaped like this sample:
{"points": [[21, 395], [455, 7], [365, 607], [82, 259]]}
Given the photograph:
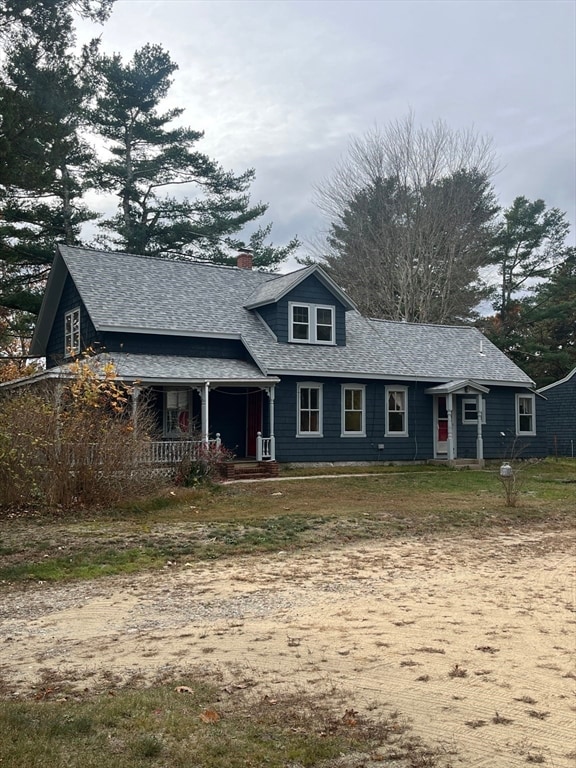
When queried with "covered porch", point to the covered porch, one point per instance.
{"points": [[204, 401], [459, 396]]}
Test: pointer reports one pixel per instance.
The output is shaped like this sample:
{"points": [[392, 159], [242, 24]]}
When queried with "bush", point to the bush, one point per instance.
{"points": [[203, 465], [73, 442]]}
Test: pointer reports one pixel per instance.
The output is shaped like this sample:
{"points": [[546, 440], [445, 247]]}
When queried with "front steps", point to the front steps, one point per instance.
{"points": [[458, 463], [248, 470]]}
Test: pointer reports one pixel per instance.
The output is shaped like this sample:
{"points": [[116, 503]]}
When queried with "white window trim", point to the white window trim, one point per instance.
{"points": [[310, 385], [312, 329], [531, 397], [344, 432], [404, 433], [475, 401], [71, 349]]}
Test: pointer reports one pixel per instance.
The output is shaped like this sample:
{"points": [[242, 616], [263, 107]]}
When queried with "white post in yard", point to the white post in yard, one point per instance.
{"points": [[479, 440], [450, 434]]}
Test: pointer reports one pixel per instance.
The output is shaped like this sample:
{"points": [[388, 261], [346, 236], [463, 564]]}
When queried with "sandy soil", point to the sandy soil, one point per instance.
{"points": [[472, 640]]}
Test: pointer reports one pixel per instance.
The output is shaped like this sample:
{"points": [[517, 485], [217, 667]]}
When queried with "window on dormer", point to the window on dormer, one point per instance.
{"points": [[72, 333], [311, 323]]}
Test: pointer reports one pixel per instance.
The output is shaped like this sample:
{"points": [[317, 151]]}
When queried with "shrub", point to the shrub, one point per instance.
{"points": [[73, 441], [202, 465]]}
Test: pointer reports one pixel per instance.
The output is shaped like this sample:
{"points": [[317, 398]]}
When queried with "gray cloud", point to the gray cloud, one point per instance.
{"points": [[282, 86]]}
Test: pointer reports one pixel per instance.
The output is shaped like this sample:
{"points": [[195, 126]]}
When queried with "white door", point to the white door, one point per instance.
{"points": [[441, 428]]}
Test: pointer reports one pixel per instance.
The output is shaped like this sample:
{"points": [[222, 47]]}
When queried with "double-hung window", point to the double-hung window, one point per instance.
{"points": [[470, 410], [311, 323], [396, 411], [309, 410], [353, 410], [525, 415], [72, 333]]}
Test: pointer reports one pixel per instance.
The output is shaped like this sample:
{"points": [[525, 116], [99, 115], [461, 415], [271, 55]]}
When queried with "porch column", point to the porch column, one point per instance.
{"points": [[450, 440], [134, 414], [479, 440], [271, 395], [205, 413]]}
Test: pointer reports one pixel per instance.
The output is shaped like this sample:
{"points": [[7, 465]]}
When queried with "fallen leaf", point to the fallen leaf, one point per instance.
{"points": [[209, 716]]}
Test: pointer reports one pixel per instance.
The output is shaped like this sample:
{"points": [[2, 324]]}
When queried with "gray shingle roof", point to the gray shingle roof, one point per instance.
{"points": [[449, 352], [175, 368], [135, 293], [122, 290]]}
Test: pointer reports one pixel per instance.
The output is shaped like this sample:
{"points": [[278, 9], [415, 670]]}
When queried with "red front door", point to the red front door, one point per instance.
{"points": [[442, 426]]}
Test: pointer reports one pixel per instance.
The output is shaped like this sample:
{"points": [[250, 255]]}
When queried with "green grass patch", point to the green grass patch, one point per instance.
{"points": [[83, 564], [220, 521], [158, 726]]}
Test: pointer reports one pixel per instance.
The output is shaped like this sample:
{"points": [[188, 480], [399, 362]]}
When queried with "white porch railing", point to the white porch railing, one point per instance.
{"points": [[265, 448], [173, 451]]}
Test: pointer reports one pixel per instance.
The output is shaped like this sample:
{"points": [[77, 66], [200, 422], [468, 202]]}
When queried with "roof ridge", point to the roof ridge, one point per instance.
{"points": [[427, 325], [165, 260]]}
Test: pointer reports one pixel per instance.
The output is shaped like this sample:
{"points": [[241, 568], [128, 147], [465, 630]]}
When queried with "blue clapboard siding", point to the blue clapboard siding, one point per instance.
{"points": [[154, 344], [309, 291], [332, 447], [560, 409], [501, 418], [70, 300], [418, 445]]}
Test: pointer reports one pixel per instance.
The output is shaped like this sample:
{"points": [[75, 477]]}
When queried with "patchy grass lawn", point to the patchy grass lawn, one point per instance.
{"points": [[201, 725], [223, 520], [207, 724]]}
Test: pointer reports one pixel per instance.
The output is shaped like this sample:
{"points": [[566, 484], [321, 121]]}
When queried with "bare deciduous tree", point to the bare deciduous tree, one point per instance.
{"points": [[410, 212]]}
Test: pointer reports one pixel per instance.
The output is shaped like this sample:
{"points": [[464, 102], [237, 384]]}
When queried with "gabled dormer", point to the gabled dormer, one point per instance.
{"points": [[304, 307]]}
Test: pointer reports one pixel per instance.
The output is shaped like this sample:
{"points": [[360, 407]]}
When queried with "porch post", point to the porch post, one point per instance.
{"points": [[450, 433], [205, 414], [271, 417], [134, 414], [479, 440]]}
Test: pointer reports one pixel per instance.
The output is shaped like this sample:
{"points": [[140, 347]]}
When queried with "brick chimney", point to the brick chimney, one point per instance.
{"points": [[244, 260]]}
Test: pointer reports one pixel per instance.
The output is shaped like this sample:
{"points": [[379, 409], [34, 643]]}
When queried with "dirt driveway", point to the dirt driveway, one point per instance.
{"points": [[472, 640]]}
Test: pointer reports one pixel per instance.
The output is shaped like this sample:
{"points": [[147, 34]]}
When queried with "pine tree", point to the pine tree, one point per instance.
{"points": [[150, 157], [528, 243], [44, 88]]}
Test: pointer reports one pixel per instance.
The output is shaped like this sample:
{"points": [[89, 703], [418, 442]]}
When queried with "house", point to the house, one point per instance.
{"points": [[560, 410], [283, 366]]}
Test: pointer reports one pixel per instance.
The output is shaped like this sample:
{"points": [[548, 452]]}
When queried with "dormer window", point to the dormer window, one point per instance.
{"points": [[311, 323], [72, 333]]}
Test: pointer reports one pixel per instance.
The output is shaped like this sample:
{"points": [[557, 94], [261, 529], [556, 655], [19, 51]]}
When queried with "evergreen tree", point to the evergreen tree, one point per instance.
{"points": [[44, 87], [410, 214], [414, 253], [149, 154], [529, 241], [550, 352]]}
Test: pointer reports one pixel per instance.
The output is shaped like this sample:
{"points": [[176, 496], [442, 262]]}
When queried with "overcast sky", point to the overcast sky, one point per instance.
{"points": [[282, 85]]}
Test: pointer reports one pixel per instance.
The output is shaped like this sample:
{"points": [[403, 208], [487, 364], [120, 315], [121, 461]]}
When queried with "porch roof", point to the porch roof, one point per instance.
{"points": [[459, 387], [171, 369]]}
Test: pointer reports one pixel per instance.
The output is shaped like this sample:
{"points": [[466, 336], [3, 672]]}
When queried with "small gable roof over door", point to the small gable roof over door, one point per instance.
{"points": [[458, 387]]}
